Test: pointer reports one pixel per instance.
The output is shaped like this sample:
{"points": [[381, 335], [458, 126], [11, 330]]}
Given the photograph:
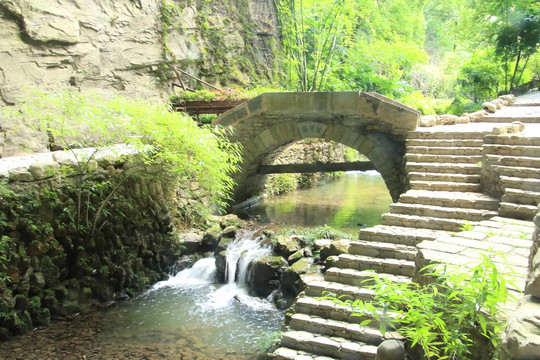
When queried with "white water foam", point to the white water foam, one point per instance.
{"points": [[203, 272], [244, 250]]}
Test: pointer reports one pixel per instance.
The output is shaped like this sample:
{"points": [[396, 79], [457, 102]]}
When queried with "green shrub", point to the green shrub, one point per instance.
{"points": [[458, 309], [281, 183]]}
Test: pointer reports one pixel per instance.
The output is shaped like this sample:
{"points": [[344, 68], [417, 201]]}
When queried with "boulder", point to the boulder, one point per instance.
{"points": [[428, 120], [20, 174], [211, 238], [229, 220], [266, 273], [447, 119], [223, 244], [489, 107], [391, 350], [521, 338], [477, 115], [336, 247], [290, 278], [294, 257], [43, 169], [191, 243], [286, 245], [110, 160], [229, 232]]}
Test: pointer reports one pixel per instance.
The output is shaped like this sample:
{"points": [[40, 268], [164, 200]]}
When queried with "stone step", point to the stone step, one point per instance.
{"points": [[445, 168], [415, 221], [512, 150], [360, 277], [441, 212], [517, 171], [512, 139], [520, 183], [521, 197], [459, 178], [382, 250], [518, 211], [524, 114], [397, 234], [387, 266], [445, 142], [335, 328], [436, 133], [452, 159], [444, 186], [328, 309], [335, 348], [349, 292], [438, 150], [468, 200], [519, 161]]}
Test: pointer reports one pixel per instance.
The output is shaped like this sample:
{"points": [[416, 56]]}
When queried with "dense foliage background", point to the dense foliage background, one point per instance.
{"points": [[439, 56]]}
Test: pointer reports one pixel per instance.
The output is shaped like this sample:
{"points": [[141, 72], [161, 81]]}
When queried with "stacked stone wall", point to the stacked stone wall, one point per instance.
{"points": [[521, 339], [70, 243]]}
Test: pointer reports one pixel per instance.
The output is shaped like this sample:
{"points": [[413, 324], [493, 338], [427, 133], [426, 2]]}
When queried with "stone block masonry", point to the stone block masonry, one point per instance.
{"points": [[68, 243], [369, 123]]}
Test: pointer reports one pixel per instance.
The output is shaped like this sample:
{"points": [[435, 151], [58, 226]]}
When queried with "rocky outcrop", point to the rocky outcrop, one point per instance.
{"points": [[127, 47], [521, 340]]}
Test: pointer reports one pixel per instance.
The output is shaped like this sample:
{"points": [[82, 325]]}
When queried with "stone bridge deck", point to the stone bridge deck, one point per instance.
{"points": [[462, 177]]}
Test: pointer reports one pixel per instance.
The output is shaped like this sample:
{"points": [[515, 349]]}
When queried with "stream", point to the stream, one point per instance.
{"points": [[192, 317]]}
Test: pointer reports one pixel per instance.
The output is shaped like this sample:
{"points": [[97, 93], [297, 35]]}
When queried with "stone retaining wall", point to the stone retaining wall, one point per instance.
{"points": [[69, 243], [522, 335]]}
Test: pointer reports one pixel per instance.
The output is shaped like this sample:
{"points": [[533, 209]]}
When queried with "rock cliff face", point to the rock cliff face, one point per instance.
{"points": [[129, 45]]}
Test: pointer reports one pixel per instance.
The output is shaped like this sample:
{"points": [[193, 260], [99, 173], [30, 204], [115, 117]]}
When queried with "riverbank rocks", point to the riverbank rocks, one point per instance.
{"points": [[266, 274], [191, 243], [329, 248], [522, 335], [287, 245]]}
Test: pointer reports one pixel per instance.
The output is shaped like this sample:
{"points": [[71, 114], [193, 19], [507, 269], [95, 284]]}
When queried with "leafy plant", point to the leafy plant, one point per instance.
{"points": [[5, 245], [321, 232], [160, 142], [281, 183], [457, 310]]}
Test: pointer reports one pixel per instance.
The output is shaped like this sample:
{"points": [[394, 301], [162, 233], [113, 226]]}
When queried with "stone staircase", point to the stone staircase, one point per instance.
{"points": [[516, 160], [445, 169], [443, 197]]}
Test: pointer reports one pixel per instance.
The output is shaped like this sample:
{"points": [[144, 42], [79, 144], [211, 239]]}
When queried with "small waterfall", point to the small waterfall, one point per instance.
{"points": [[240, 253], [243, 250], [203, 272]]}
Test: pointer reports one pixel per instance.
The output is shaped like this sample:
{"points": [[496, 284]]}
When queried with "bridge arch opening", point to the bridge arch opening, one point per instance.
{"points": [[383, 151]]}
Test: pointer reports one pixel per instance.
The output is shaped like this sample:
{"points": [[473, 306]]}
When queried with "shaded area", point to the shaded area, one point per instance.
{"points": [[314, 168]]}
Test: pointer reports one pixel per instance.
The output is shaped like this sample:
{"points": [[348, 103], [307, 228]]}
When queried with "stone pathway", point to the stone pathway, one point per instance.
{"points": [[449, 166]]}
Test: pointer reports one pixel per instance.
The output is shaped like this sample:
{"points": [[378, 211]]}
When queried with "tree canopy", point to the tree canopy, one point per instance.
{"points": [[411, 50]]}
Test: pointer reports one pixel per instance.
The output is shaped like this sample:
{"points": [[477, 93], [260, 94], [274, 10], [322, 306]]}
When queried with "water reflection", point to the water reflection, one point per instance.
{"points": [[356, 198]]}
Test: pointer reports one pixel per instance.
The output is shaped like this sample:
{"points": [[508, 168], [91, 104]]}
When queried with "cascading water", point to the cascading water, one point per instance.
{"points": [[193, 313]]}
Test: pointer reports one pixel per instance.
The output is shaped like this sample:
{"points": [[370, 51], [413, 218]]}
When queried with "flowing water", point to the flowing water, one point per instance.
{"points": [[357, 199], [214, 321], [192, 317]]}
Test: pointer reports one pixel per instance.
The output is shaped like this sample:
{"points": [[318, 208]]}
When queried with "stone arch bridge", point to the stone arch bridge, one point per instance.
{"points": [[374, 125]]}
